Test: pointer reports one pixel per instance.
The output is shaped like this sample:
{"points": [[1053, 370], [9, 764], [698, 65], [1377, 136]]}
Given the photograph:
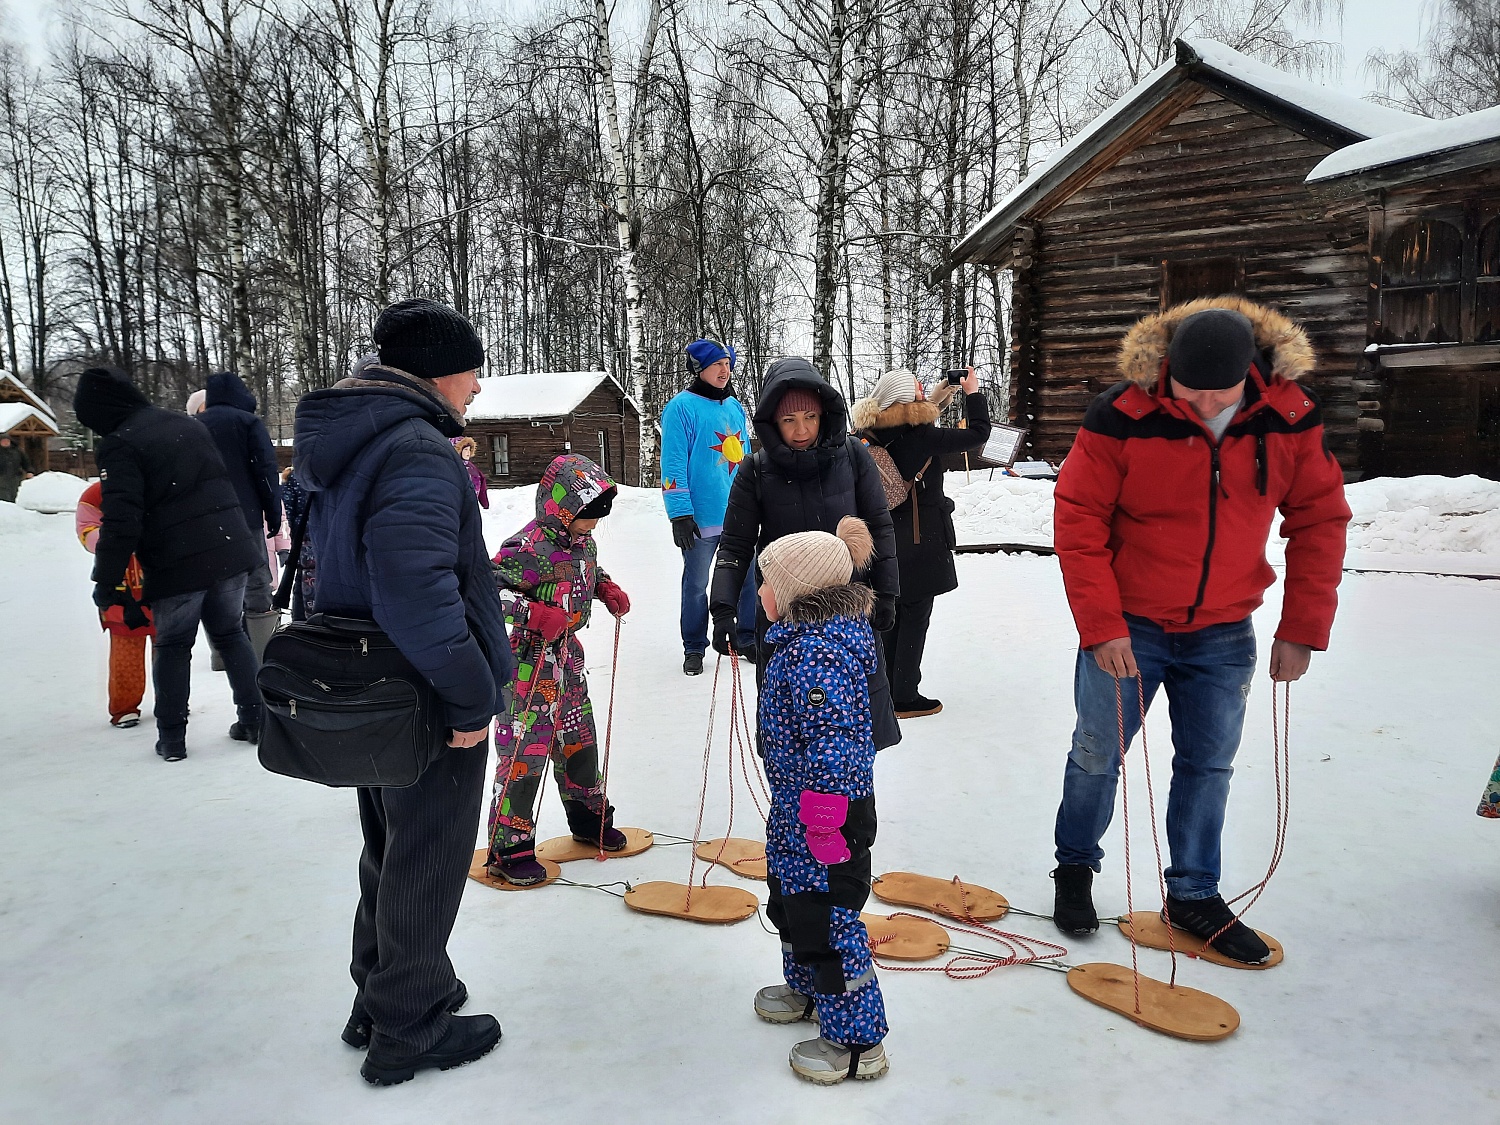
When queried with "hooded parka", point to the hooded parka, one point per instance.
{"points": [[246, 447]]}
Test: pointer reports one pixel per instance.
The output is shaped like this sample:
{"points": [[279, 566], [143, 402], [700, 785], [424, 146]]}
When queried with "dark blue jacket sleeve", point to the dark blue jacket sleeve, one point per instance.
{"points": [[265, 473], [411, 541]]}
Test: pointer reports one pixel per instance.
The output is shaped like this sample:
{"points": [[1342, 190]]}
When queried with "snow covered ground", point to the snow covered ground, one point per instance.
{"points": [[174, 938]]}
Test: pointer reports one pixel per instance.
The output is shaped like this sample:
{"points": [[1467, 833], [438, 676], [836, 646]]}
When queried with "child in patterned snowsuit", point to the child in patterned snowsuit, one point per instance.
{"points": [[128, 627], [819, 748], [549, 575]]}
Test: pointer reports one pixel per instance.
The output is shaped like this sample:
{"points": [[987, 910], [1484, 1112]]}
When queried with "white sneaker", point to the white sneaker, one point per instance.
{"points": [[127, 720], [827, 1063], [777, 1003]]}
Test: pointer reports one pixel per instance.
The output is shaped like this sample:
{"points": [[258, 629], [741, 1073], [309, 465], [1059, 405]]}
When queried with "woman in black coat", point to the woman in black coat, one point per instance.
{"points": [[899, 417], [807, 484]]}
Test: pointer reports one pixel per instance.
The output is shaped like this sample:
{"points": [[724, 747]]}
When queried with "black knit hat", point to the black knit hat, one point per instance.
{"points": [[105, 398], [1211, 350], [427, 339]]}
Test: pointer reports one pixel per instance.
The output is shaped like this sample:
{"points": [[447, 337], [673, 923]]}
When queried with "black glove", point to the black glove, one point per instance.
{"points": [[883, 616], [106, 595], [685, 532], [135, 616], [723, 633]]}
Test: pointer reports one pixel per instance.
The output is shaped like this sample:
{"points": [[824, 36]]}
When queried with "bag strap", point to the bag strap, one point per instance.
{"points": [[283, 596], [916, 509]]}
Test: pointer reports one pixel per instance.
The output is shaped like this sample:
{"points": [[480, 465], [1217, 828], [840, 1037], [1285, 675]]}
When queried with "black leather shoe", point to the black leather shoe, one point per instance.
{"points": [[468, 1038], [692, 664], [1204, 917], [357, 1030], [916, 707], [244, 732], [171, 751], [1073, 900]]}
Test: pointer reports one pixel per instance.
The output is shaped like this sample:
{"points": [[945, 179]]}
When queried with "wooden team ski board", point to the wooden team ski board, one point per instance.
{"points": [[969, 902], [480, 875], [1182, 1012], [565, 849], [709, 904], [905, 939], [743, 857], [1148, 929]]}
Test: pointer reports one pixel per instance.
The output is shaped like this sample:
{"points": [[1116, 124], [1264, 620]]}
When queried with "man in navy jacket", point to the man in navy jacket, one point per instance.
{"points": [[397, 532]]}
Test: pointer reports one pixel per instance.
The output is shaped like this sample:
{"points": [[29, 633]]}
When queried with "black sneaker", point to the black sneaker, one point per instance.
{"points": [[692, 664], [1073, 902], [1204, 917], [357, 1030], [244, 732], [171, 751], [916, 707], [468, 1038]]}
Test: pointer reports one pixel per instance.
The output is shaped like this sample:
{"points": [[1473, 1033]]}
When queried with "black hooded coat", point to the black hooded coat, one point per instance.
{"points": [[246, 448], [167, 498]]}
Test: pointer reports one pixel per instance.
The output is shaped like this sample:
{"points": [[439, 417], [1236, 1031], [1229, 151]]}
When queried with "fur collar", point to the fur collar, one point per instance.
{"points": [[1283, 341], [867, 415], [852, 600]]}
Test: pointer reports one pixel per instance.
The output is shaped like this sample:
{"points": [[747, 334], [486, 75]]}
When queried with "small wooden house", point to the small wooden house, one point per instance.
{"points": [[521, 422], [1429, 376], [26, 420], [1190, 185]]}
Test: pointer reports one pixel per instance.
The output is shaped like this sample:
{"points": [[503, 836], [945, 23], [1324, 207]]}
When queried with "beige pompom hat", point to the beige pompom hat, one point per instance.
{"points": [[808, 561]]}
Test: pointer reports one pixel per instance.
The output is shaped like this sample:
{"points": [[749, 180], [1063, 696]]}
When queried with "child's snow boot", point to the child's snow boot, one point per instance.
{"points": [[1073, 903], [1204, 917], [518, 865], [778, 1003], [585, 825], [826, 1063]]}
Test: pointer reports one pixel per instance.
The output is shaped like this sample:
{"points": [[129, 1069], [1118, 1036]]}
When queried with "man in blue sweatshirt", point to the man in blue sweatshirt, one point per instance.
{"points": [[704, 438]]}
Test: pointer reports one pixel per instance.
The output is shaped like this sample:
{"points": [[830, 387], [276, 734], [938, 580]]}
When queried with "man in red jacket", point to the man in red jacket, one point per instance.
{"points": [[1163, 509]]}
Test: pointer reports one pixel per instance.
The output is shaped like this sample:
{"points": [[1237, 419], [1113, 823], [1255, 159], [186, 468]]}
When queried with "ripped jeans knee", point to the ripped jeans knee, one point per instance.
{"points": [[1094, 754]]}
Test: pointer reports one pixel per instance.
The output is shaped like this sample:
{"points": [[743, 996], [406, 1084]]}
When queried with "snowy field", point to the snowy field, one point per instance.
{"points": [[174, 937]]}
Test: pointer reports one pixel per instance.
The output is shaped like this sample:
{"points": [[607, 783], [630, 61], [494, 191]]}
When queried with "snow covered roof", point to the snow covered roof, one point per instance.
{"points": [[12, 388], [12, 414], [541, 394], [1213, 64], [1427, 140]]}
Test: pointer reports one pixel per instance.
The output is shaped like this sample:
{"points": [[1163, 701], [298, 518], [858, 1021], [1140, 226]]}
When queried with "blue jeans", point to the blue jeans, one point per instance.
{"points": [[1207, 675], [697, 565], [220, 608]]}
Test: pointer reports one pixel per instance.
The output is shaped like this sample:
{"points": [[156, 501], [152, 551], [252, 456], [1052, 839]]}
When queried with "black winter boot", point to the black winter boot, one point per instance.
{"points": [[692, 664], [586, 829], [468, 1038], [1073, 901], [357, 1030], [1204, 917]]}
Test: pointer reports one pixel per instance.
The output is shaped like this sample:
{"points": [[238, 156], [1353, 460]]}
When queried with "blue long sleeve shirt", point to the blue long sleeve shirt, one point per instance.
{"points": [[703, 442]]}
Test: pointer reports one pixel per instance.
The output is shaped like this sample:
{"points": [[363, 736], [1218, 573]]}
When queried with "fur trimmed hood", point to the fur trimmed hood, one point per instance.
{"points": [[1283, 342], [852, 600], [867, 415]]}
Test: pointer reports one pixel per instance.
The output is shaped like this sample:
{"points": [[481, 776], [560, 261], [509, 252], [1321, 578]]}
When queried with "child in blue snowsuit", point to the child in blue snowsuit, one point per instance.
{"points": [[819, 749]]}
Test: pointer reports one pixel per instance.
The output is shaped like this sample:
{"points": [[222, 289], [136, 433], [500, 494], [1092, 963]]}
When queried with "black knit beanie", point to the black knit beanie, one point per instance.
{"points": [[1211, 350], [427, 339]]}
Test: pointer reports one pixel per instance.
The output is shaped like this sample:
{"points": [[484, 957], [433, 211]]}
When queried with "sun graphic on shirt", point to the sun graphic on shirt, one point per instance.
{"points": [[731, 447]]}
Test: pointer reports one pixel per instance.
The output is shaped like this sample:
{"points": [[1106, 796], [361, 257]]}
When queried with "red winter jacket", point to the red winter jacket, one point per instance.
{"points": [[1156, 520]]}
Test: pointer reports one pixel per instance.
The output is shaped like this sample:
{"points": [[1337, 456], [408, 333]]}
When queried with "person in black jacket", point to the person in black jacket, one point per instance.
{"points": [[168, 500], [805, 475], [899, 417], [397, 532], [251, 460]]}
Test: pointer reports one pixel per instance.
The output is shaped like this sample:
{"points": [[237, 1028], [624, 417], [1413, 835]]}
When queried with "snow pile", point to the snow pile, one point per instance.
{"points": [[1003, 510], [1410, 144], [51, 492], [1425, 515], [16, 521]]}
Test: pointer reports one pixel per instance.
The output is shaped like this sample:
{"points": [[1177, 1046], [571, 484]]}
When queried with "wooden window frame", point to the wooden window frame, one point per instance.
{"points": [[500, 455]]}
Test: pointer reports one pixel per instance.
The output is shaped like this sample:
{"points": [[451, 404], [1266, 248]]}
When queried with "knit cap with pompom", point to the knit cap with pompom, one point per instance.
{"points": [[808, 561]]}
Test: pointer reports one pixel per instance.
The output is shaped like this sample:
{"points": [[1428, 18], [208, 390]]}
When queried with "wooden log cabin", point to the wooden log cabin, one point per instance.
{"points": [[1428, 384], [521, 422], [26, 420], [1191, 185]]}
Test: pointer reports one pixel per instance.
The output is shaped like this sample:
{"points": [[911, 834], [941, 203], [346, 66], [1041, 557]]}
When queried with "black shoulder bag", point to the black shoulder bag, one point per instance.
{"points": [[341, 705]]}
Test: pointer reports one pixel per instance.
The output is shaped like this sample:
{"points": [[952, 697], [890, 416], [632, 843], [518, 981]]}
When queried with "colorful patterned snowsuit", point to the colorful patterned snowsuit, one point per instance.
{"points": [[127, 646], [550, 714], [814, 713]]}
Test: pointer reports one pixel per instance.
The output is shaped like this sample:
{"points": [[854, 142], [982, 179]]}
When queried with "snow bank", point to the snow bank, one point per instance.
{"points": [[51, 492], [1425, 515], [17, 521], [1003, 510]]}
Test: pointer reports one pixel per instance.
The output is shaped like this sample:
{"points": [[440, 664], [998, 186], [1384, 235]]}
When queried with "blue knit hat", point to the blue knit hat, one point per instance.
{"points": [[705, 353]]}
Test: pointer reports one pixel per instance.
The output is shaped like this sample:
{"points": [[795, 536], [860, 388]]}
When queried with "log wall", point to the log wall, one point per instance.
{"points": [[534, 443]]}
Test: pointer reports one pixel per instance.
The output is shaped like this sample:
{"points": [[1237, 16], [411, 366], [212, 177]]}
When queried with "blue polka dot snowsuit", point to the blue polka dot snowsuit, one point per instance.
{"points": [[814, 717]]}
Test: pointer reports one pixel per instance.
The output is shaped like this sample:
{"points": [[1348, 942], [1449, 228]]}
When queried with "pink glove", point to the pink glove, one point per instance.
{"points": [[614, 598], [824, 814], [547, 620]]}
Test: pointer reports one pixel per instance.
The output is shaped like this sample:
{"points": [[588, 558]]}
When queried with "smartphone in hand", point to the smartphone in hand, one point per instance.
{"points": [[956, 375]]}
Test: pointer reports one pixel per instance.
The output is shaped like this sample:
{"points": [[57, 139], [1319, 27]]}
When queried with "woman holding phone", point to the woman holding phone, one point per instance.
{"points": [[899, 417]]}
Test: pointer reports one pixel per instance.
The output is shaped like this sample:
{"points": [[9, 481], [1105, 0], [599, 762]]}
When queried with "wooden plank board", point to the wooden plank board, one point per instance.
{"points": [[721, 905], [1148, 929], [478, 873], [969, 902], [746, 858], [565, 849], [905, 939], [1182, 1012]]}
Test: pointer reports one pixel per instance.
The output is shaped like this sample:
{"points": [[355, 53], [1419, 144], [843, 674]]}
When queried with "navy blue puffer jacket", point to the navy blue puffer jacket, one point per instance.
{"points": [[246, 448], [397, 533]]}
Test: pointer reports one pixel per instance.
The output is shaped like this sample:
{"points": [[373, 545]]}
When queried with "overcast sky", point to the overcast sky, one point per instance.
{"points": [[1367, 25]]}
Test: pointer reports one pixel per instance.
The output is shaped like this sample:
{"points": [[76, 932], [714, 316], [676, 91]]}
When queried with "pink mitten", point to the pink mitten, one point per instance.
{"points": [[615, 599], [824, 814], [547, 620]]}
